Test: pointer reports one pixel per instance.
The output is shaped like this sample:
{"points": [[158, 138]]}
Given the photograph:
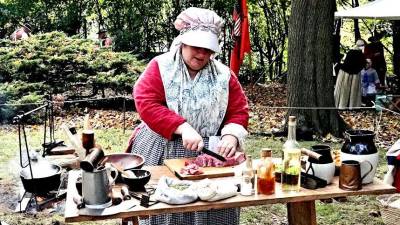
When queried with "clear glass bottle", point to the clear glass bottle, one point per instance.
{"points": [[291, 160], [266, 173], [248, 170], [246, 186]]}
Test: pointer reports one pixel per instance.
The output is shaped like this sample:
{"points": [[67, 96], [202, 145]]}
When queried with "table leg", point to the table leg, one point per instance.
{"points": [[134, 220], [301, 213]]}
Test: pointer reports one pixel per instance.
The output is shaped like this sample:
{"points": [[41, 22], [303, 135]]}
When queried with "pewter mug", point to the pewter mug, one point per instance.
{"points": [[96, 185]]}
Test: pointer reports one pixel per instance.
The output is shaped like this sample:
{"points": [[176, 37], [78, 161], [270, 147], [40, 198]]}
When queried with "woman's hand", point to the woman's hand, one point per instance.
{"points": [[227, 145], [190, 138]]}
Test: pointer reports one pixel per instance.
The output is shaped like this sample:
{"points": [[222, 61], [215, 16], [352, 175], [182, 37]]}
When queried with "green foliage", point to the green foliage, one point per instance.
{"points": [[145, 27], [139, 26], [19, 92], [52, 62], [67, 16], [14, 90], [269, 29]]}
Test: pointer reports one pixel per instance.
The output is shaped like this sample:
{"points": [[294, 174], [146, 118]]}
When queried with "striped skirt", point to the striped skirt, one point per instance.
{"points": [[154, 148]]}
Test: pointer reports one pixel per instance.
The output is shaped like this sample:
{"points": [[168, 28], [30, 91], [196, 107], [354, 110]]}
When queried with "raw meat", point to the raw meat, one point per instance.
{"points": [[191, 169], [204, 160]]}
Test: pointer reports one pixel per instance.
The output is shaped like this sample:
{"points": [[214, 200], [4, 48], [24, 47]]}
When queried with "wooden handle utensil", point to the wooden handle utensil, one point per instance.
{"points": [[310, 153], [116, 196], [125, 193], [128, 174]]}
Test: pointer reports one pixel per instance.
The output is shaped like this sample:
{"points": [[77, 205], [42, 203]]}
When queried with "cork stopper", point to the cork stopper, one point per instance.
{"points": [[265, 152], [292, 120]]}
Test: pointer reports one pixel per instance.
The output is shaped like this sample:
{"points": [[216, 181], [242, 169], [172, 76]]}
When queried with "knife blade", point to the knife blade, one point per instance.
{"points": [[213, 154]]}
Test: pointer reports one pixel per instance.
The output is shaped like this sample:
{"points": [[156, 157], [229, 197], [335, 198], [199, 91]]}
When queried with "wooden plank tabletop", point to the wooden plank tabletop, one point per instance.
{"points": [[331, 191]]}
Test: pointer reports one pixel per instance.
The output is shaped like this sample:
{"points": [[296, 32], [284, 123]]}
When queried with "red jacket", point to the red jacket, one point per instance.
{"points": [[151, 105]]}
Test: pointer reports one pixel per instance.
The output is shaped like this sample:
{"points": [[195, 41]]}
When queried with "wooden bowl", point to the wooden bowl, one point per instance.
{"points": [[125, 161]]}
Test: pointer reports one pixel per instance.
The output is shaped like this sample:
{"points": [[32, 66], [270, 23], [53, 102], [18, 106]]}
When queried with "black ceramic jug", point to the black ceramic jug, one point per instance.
{"points": [[359, 142], [360, 146], [324, 151], [324, 167]]}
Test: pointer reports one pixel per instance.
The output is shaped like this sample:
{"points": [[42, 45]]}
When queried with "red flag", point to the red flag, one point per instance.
{"points": [[241, 35]]}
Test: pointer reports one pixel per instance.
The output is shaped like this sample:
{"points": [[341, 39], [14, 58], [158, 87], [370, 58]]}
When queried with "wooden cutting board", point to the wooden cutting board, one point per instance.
{"points": [[175, 166]]}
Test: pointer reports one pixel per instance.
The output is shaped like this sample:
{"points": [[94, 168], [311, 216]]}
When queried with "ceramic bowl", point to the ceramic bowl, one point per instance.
{"points": [[137, 183]]}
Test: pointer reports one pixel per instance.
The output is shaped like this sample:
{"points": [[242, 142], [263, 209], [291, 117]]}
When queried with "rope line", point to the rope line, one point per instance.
{"points": [[11, 104], [68, 101], [375, 107], [386, 109], [317, 108], [92, 99], [378, 125]]}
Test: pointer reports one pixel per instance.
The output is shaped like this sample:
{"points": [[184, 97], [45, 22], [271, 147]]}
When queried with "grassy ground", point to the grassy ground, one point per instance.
{"points": [[112, 140], [355, 211]]}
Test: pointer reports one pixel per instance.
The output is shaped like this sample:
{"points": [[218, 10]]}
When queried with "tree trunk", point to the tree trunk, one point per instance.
{"points": [[336, 40], [310, 81], [274, 38], [357, 34], [396, 48], [98, 8], [256, 43]]}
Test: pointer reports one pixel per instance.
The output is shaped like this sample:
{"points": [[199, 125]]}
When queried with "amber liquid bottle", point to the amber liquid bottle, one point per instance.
{"points": [[266, 173], [291, 160]]}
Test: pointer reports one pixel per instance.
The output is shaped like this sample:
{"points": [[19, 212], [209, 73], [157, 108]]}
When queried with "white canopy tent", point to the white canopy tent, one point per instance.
{"points": [[378, 9]]}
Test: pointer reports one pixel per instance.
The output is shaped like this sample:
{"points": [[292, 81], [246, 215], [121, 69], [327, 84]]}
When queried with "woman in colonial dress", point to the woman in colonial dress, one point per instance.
{"points": [[348, 84], [184, 97]]}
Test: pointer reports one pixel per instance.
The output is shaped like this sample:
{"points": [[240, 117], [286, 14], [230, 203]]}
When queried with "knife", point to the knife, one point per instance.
{"points": [[213, 154]]}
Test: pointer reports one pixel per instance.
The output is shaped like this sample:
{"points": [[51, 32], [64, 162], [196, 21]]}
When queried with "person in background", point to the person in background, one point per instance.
{"points": [[348, 83], [184, 97], [22, 33], [370, 83], [104, 40], [375, 51]]}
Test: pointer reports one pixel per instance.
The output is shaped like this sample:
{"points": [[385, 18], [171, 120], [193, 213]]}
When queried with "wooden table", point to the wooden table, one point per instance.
{"points": [[301, 205]]}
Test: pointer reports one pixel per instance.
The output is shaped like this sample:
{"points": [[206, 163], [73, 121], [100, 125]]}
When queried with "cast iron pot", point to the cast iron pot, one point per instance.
{"points": [[46, 178]]}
